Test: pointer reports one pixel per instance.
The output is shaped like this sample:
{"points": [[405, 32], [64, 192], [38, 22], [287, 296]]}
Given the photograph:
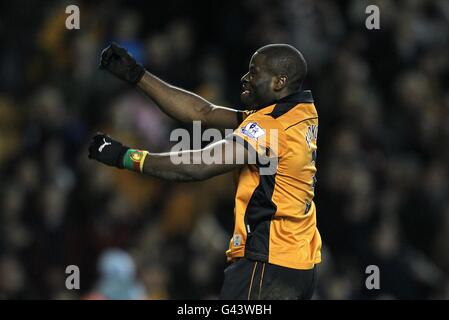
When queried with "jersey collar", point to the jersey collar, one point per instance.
{"points": [[286, 103], [304, 96]]}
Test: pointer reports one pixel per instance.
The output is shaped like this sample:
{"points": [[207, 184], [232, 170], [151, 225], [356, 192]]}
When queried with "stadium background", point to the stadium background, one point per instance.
{"points": [[383, 160]]}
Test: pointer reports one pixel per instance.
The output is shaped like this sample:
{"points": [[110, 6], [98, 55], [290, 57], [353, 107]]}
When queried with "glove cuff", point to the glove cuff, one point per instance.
{"points": [[121, 156], [136, 73]]}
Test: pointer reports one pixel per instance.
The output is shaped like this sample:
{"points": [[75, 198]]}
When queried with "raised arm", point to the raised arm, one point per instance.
{"points": [[178, 103], [186, 106]]}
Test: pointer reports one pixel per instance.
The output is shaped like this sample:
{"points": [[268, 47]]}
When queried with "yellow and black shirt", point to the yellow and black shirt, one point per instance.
{"points": [[275, 216]]}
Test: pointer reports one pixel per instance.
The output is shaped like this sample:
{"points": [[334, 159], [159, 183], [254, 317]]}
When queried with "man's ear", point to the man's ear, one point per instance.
{"points": [[280, 82]]}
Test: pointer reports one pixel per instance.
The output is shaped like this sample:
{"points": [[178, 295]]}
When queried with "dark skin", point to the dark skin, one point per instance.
{"points": [[261, 86], [160, 164]]}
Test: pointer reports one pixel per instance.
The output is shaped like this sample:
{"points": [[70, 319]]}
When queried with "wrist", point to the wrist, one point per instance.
{"points": [[137, 73], [121, 156], [134, 159], [142, 80]]}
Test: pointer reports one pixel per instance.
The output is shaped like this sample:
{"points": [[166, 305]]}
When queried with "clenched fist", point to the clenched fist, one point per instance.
{"points": [[107, 150], [118, 61]]}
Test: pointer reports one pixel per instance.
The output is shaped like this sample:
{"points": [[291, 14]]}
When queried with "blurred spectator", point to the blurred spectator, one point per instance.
{"points": [[117, 278]]}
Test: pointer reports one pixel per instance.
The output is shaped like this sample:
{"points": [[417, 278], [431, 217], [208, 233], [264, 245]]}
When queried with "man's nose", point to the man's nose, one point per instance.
{"points": [[245, 77]]}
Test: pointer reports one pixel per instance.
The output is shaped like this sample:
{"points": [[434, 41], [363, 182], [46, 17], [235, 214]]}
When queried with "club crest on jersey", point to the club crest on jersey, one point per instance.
{"points": [[237, 239], [252, 130]]}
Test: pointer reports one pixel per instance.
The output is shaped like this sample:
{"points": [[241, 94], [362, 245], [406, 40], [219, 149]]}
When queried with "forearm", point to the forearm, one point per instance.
{"points": [[160, 165], [196, 165], [178, 103]]}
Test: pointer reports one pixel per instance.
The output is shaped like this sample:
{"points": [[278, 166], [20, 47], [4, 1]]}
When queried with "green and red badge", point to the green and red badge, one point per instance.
{"points": [[133, 159]]}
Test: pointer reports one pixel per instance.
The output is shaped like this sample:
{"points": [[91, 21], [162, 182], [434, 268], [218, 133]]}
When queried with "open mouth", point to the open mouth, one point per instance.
{"points": [[245, 89]]}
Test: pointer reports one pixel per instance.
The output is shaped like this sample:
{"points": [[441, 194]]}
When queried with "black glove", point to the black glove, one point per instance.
{"points": [[118, 61], [106, 150]]}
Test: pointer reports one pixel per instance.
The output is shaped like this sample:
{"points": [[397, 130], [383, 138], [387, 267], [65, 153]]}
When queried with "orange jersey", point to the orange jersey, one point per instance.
{"points": [[275, 216]]}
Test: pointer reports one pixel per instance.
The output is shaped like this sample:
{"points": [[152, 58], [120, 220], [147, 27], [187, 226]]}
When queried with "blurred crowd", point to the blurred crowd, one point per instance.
{"points": [[383, 161]]}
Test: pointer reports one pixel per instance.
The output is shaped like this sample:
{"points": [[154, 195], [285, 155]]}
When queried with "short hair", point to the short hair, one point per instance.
{"points": [[284, 59]]}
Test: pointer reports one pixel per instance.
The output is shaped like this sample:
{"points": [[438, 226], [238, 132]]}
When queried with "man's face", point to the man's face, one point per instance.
{"points": [[257, 83]]}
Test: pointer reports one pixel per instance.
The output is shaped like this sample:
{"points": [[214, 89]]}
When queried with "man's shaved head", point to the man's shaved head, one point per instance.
{"points": [[283, 59], [275, 71]]}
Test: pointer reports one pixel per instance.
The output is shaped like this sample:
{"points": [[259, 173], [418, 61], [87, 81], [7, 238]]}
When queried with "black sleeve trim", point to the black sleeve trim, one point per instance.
{"points": [[299, 122], [239, 117]]}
